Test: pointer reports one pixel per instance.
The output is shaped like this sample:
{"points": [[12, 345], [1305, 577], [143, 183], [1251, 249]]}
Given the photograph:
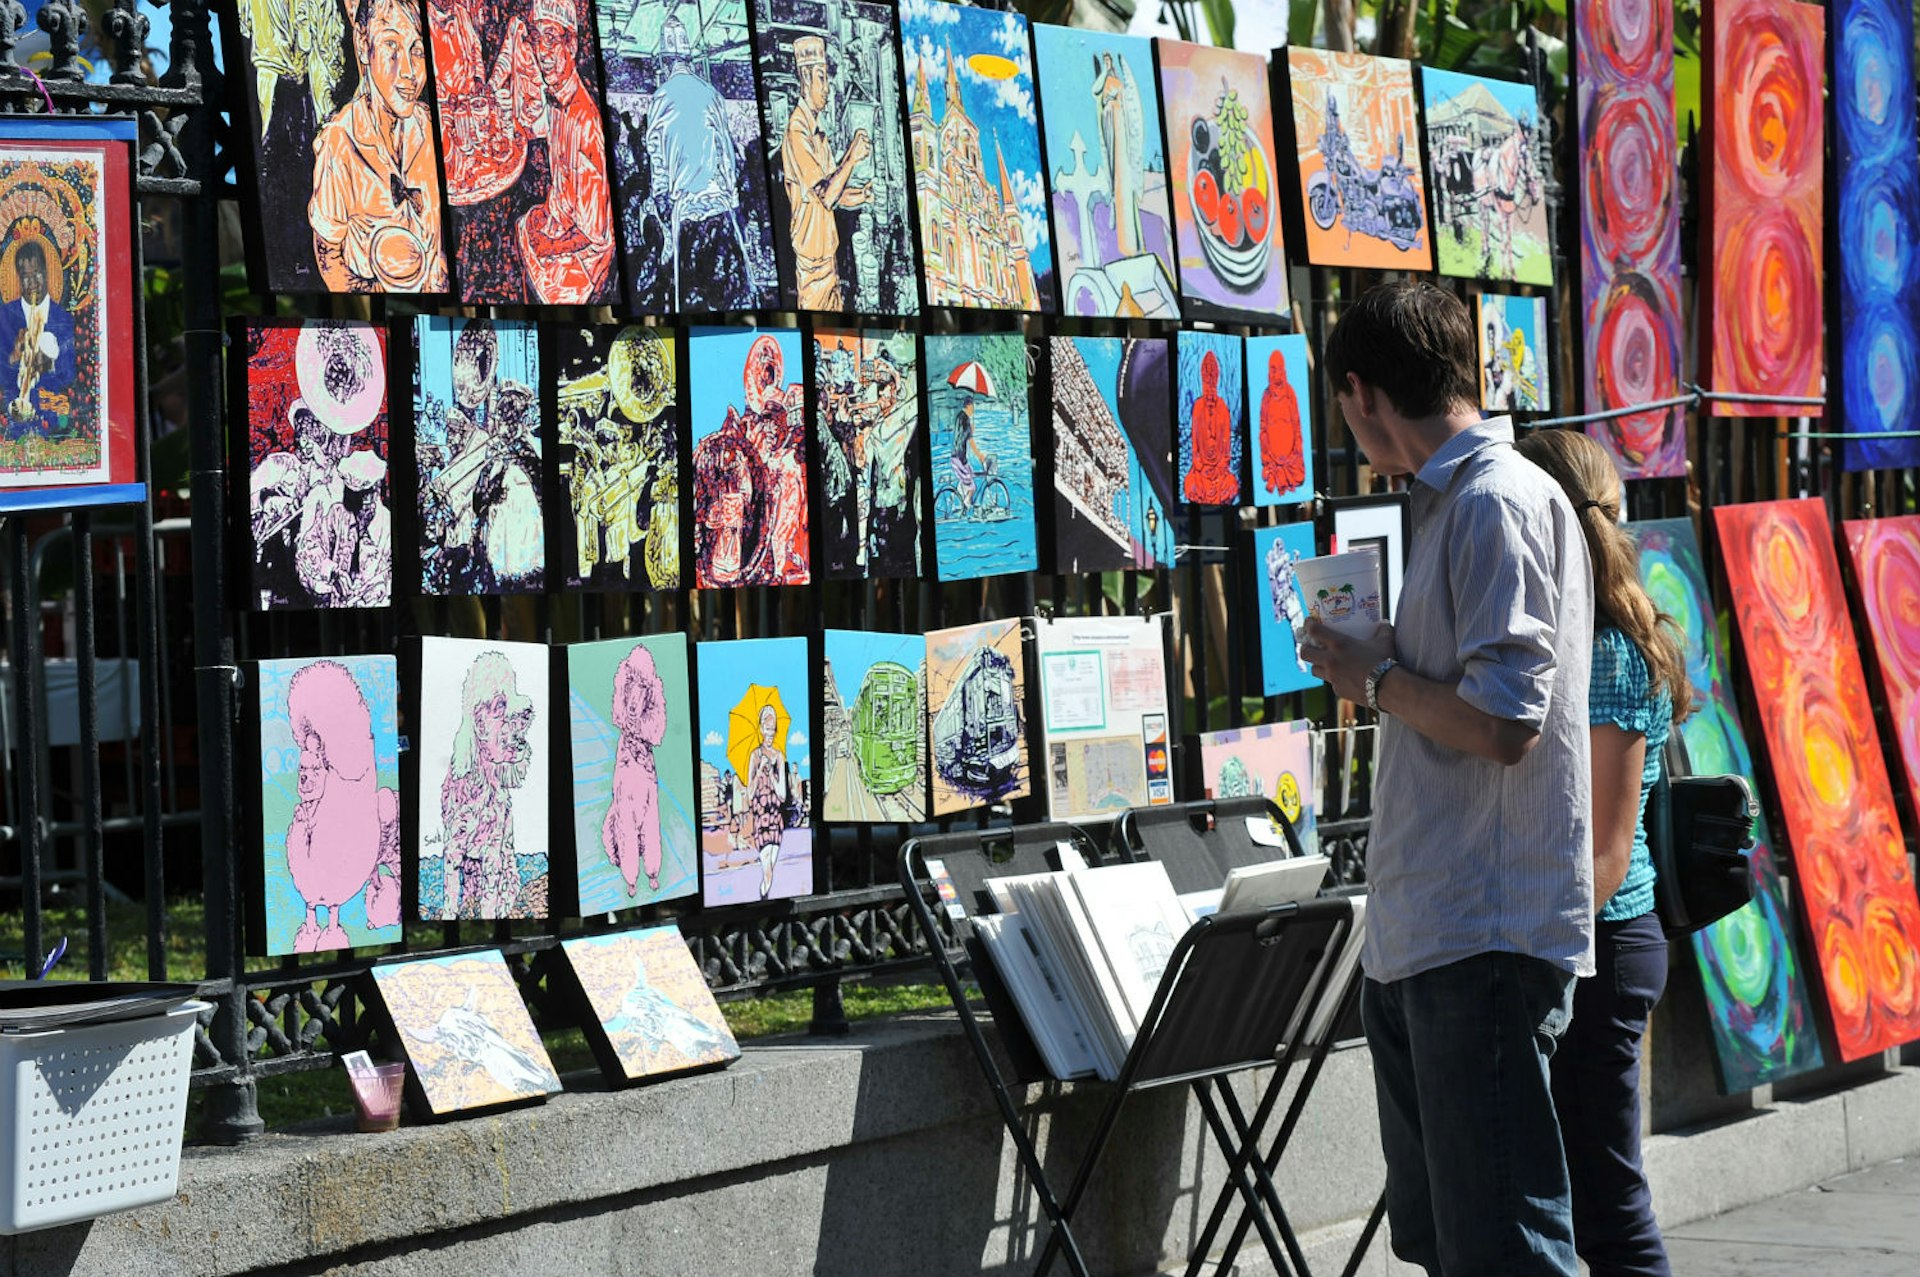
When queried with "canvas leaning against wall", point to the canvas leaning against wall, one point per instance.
{"points": [[466, 1032], [980, 428], [1274, 762], [649, 1012]]}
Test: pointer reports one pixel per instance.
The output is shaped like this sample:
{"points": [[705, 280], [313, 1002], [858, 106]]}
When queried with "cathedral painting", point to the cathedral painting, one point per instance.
{"points": [[1109, 174], [975, 141]]}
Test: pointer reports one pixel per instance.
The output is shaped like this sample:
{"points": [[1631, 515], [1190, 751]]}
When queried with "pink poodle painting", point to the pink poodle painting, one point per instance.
{"points": [[329, 804]]}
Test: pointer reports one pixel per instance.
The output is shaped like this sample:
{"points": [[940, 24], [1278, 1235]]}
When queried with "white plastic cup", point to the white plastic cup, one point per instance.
{"points": [[1342, 591]]}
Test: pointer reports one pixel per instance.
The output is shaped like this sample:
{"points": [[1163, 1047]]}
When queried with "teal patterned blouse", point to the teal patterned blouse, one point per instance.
{"points": [[1619, 693]]}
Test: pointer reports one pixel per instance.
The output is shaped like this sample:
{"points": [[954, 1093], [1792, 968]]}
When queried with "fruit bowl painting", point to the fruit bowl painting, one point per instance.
{"points": [[1230, 188]]}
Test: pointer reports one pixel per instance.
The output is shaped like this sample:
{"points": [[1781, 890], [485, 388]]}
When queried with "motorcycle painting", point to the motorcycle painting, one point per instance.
{"points": [[1356, 128], [1489, 162]]}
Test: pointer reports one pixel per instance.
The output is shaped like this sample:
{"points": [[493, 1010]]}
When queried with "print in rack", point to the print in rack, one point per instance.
{"points": [[340, 170], [756, 770], [982, 435], [830, 88], [1280, 418], [1112, 461], [984, 240], [749, 458], [867, 411]]}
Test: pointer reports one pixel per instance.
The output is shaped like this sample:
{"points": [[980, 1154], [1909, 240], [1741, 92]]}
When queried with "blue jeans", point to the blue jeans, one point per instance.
{"points": [[1476, 1177]]}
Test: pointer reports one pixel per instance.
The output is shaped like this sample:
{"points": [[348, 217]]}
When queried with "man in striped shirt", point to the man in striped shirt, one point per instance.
{"points": [[1480, 858]]}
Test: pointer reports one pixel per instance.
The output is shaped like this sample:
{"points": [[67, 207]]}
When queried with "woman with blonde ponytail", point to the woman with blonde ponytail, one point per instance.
{"points": [[1638, 692]]}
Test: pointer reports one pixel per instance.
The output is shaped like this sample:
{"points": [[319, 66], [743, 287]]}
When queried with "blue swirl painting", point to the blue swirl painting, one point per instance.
{"points": [[1879, 239]]}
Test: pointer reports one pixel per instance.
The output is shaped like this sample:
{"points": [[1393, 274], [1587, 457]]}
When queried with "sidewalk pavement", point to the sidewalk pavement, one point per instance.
{"points": [[1866, 1224]]}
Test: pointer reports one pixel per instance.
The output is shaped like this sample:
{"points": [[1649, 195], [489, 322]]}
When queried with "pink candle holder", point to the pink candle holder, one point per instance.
{"points": [[377, 1096]]}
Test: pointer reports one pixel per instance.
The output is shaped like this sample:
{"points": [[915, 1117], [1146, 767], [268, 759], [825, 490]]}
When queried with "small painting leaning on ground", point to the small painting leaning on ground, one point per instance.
{"points": [[329, 803], [1274, 762], [651, 1013], [976, 716], [981, 430], [1356, 132], [756, 770], [466, 1032], [1213, 399], [866, 386], [873, 743], [1490, 160], [748, 412], [1513, 346], [484, 722]]}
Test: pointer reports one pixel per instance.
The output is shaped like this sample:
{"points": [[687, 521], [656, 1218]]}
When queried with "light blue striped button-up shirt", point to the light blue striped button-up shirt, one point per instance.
{"points": [[1467, 856]]}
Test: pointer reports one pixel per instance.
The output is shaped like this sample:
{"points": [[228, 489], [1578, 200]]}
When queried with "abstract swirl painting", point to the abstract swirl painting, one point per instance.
{"points": [[1878, 200], [1630, 231], [1886, 562], [1767, 129], [1852, 873], [1750, 966]]}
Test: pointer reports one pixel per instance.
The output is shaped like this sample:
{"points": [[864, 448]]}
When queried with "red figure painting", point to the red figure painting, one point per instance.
{"points": [[1283, 455], [1210, 478]]}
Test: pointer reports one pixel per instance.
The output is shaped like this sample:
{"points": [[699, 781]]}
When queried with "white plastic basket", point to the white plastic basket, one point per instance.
{"points": [[94, 1115]]}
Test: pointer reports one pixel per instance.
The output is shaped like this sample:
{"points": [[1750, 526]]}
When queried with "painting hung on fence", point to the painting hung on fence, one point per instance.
{"points": [[1222, 170], [67, 404], [618, 456], [1280, 419], [1356, 131], [319, 523], [837, 155], [981, 431], [1112, 459], [466, 1032], [866, 386], [630, 763], [690, 180], [749, 457], [340, 169], [1489, 168], [484, 721], [1855, 883], [1103, 714], [975, 140], [1751, 968], [329, 805], [1886, 563], [1513, 344], [477, 442], [651, 1014], [1274, 762], [1629, 196], [1111, 226], [976, 716], [872, 728], [1277, 605], [756, 770], [1212, 400], [1877, 204], [1766, 131]]}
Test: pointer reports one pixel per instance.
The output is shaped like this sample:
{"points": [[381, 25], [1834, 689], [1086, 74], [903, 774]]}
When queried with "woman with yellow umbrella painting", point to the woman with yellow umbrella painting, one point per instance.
{"points": [[755, 729]]}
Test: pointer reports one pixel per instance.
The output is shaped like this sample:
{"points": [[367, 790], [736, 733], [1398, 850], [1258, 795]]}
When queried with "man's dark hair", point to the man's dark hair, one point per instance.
{"points": [[1412, 341], [30, 248]]}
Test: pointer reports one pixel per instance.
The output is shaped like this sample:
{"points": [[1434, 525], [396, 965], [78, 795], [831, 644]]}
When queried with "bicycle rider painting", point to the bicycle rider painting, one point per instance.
{"points": [[982, 455]]}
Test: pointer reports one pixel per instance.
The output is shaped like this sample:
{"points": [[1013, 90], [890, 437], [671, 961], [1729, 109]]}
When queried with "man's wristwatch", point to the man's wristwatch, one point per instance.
{"points": [[1374, 676]]}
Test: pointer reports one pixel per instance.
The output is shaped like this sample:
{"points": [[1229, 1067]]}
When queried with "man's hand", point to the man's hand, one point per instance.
{"points": [[861, 148], [1343, 660]]}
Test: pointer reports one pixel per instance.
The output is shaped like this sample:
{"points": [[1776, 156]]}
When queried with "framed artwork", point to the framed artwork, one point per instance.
{"points": [[1277, 605], [976, 716], [1212, 404], [1886, 564], [690, 178], [1280, 419], [478, 436], [484, 722], [837, 155], [649, 1013], [328, 808], [1629, 194], [617, 442], [328, 209], [1513, 342], [981, 431], [1112, 228], [1356, 137], [1112, 459], [467, 1034], [1489, 170], [874, 713], [1225, 203], [1103, 714], [529, 195], [1766, 133], [1751, 968], [1877, 233], [866, 409], [67, 409], [756, 770], [984, 242], [749, 457], [314, 455], [1855, 885], [1383, 522], [629, 793], [1275, 762]]}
